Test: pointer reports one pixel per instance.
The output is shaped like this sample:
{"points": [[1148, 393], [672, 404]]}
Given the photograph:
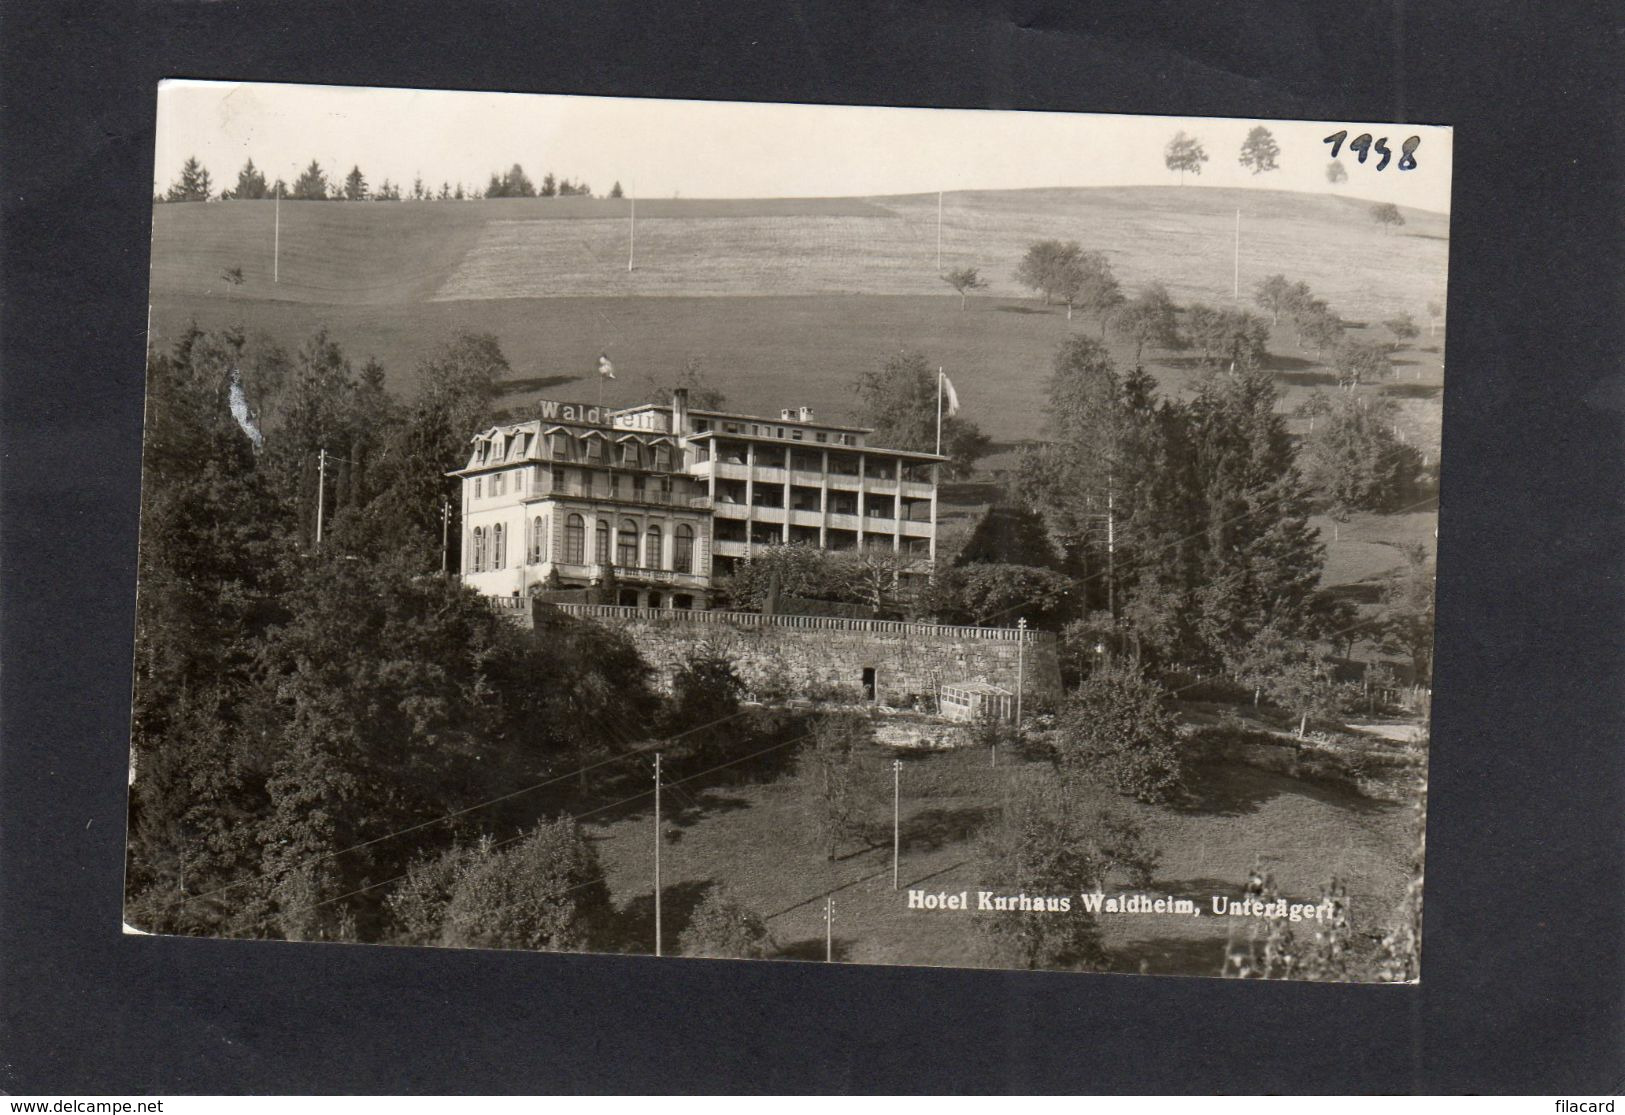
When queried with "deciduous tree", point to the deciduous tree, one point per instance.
{"points": [[1403, 329], [837, 781], [1116, 728], [1259, 151], [899, 401], [1150, 318], [1185, 155], [1357, 362], [723, 927], [964, 280], [1387, 215], [1048, 843]]}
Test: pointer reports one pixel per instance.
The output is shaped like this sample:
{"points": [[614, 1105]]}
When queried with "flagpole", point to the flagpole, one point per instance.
{"points": [[632, 247], [939, 232], [939, 412]]}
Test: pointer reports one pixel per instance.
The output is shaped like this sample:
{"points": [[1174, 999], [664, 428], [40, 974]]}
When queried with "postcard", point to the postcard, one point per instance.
{"points": [[835, 534]]}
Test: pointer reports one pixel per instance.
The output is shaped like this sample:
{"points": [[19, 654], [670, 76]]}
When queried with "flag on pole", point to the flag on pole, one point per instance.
{"points": [[950, 395], [605, 368]]}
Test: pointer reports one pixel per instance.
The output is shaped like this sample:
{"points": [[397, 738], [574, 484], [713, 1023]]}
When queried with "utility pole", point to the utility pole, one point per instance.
{"points": [[632, 224], [276, 237], [896, 814], [1021, 668], [939, 232], [445, 535], [321, 492], [657, 853], [1235, 282], [829, 930], [1111, 550]]}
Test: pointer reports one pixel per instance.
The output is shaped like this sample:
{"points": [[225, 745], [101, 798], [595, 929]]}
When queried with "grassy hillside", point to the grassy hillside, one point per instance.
{"points": [[755, 840], [576, 247], [786, 301], [765, 352]]}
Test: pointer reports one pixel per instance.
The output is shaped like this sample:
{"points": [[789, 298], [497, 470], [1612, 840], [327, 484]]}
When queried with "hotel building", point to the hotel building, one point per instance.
{"points": [[661, 499]]}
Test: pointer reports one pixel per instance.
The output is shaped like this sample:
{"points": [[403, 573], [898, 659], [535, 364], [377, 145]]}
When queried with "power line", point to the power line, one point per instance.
{"points": [[454, 813], [1078, 582], [578, 817]]}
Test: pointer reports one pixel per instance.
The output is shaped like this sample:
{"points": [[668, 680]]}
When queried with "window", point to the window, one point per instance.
{"points": [[663, 458], [651, 547], [558, 480], [626, 544], [821, 436], [595, 448], [637, 488], [600, 547], [796, 434], [682, 549], [477, 485], [559, 446], [498, 545], [499, 483], [629, 454], [479, 549], [614, 486], [538, 540], [575, 540]]}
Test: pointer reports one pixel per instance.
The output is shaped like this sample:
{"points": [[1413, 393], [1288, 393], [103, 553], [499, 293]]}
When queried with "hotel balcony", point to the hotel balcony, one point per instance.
{"points": [[624, 497]]}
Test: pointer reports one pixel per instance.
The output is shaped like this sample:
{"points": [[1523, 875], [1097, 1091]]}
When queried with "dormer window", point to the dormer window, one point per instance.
{"points": [[629, 454], [559, 445]]}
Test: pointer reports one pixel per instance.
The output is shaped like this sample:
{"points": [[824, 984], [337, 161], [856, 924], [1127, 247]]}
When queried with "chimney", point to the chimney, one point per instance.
{"points": [[788, 414], [806, 414], [679, 411]]}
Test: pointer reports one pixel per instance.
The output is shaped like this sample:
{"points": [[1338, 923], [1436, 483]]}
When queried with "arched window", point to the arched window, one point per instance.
{"points": [[600, 550], [575, 540], [479, 549], [682, 549], [626, 544], [498, 546], [538, 540], [651, 546]]}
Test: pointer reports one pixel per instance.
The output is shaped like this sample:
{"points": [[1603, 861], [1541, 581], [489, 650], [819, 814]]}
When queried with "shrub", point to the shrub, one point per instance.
{"points": [[1116, 727], [721, 926], [546, 892], [1047, 844]]}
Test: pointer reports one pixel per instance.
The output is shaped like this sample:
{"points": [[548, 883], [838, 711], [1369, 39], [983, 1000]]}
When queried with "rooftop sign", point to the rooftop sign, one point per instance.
{"points": [[553, 411]]}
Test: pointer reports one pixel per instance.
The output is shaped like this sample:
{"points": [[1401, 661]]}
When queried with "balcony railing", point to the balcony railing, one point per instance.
{"points": [[645, 498], [814, 623]]}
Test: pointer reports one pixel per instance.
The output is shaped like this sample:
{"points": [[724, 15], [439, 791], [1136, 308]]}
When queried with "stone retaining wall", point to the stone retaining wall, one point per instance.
{"points": [[829, 656]]}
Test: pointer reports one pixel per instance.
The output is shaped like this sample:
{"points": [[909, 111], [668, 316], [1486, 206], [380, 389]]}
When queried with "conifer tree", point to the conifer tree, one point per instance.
{"points": [[193, 184]]}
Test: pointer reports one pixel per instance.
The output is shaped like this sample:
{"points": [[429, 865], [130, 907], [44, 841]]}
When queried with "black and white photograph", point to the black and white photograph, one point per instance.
{"points": [[836, 534]]}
